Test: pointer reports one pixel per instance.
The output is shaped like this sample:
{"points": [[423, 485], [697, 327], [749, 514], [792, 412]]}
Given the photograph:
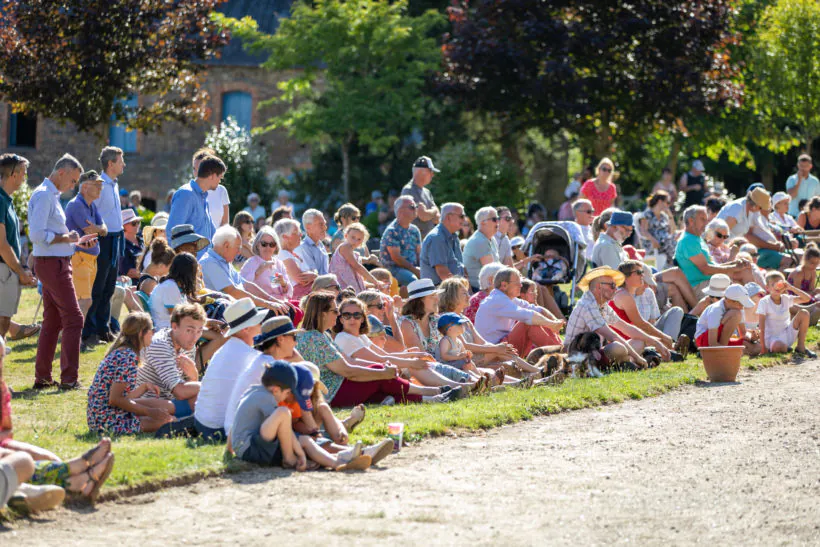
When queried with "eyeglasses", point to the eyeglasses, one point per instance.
{"points": [[506, 218], [462, 215], [271, 244], [413, 207], [379, 306], [610, 285], [346, 316], [721, 236], [605, 169], [587, 211]]}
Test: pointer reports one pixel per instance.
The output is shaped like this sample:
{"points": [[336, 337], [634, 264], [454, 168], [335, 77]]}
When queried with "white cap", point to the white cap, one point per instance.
{"points": [[718, 284], [753, 289], [697, 164], [778, 197], [738, 294], [253, 196]]}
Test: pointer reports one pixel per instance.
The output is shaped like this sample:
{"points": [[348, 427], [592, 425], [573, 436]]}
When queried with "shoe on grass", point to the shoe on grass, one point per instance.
{"points": [[44, 384], [379, 451], [676, 357], [31, 499], [70, 386], [25, 331], [806, 353], [682, 345]]}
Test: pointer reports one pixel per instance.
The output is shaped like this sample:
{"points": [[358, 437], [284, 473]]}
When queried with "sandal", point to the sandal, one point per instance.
{"points": [[25, 331], [499, 375], [88, 455], [100, 480], [356, 417]]}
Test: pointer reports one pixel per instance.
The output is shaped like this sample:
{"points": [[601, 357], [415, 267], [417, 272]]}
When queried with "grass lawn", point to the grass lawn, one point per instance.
{"points": [[57, 420]]}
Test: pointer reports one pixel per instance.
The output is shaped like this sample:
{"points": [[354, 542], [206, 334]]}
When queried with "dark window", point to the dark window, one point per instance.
{"points": [[118, 135], [22, 130], [238, 105]]}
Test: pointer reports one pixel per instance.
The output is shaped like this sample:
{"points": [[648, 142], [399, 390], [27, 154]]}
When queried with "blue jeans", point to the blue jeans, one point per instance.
{"points": [[403, 276], [451, 373], [99, 314], [210, 434]]}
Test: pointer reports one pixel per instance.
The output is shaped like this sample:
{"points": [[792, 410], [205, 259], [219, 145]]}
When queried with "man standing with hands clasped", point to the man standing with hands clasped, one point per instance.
{"points": [[802, 185], [428, 213], [53, 248], [13, 275]]}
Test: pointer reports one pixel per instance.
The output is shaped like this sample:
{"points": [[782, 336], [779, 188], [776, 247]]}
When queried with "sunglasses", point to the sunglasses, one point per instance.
{"points": [[636, 272], [506, 218], [379, 306], [354, 219], [493, 219], [134, 223], [271, 244], [721, 236], [355, 315], [610, 285], [587, 211], [605, 169]]}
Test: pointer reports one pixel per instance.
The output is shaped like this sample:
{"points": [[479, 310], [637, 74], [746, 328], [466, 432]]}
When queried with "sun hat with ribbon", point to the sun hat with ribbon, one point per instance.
{"points": [[421, 288], [184, 233], [274, 327], [242, 314], [602, 271]]}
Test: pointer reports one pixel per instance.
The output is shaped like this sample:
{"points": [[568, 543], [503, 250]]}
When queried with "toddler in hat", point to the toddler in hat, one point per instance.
{"points": [[450, 350]]}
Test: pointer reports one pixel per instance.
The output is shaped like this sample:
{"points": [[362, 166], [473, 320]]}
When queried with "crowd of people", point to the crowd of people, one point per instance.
{"points": [[252, 331]]}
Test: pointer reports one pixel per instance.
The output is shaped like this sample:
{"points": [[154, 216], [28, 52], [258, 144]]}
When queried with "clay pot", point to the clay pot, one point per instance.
{"points": [[722, 362]]}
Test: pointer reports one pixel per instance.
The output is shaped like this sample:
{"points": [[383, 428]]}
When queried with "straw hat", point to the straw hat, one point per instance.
{"points": [[761, 198], [603, 271], [273, 328], [421, 288], [242, 314]]}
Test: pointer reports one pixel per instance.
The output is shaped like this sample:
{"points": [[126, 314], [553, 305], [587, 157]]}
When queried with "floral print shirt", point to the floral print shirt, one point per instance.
{"points": [[119, 366], [408, 240], [318, 348]]}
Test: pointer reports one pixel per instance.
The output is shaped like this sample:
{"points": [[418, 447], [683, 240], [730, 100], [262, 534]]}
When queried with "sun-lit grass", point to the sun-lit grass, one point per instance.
{"points": [[57, 420]]}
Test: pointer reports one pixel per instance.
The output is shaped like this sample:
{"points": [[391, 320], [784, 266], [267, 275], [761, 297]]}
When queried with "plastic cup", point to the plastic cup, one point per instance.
{"points": [[395, 431]]}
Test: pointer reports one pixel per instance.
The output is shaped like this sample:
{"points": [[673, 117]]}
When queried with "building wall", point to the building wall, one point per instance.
{"points": [[162, 158]]}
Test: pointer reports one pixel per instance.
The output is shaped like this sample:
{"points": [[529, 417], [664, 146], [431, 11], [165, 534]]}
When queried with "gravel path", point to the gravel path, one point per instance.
{"points": [[729, 464]]}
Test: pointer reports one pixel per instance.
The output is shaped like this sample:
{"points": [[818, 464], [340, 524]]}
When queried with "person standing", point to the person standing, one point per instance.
{"points": [[802, 185], [53, 248], [693, 184], [601, 191], [428, 213], [190, 203], [502, 239], [312, 250], [97, 319], [82, 216], [13, 275]]}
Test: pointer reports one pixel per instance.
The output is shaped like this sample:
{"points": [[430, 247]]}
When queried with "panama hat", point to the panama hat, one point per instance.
{"points": [[761, 198], [603, 271], [421, 288], [242, 314], [128, 216], [274, 327], [717, 285], [184, 233]]}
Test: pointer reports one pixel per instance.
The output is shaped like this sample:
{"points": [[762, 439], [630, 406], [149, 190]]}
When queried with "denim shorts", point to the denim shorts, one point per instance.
{"points": [[451, 373], [404, 277], [182, 408]]}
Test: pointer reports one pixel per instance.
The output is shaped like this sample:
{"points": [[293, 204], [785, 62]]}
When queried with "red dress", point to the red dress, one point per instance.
{"points": [[600, 200], [622, 314]]}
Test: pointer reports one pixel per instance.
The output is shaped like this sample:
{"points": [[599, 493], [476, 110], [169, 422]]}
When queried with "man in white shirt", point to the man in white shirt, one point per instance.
{"points": [[244, 321], [503, 316], [218, 205], [802, 185]]}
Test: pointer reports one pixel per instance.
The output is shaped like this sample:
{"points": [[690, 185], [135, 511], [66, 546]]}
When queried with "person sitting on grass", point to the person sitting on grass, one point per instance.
{"points": [[485, 282], [220, 377], [262, 431], [719, 321], [383, 308], [161, 258], [118, 403], [337, 430], [352, 382], [778, 331], [804, 276], [169, 362]]}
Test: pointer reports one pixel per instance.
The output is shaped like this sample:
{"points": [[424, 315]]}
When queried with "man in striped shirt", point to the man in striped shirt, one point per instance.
{"points": [[169, 360]]}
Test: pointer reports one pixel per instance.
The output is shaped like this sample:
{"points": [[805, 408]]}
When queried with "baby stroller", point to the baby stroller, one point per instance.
{"points": [[566, 238]]}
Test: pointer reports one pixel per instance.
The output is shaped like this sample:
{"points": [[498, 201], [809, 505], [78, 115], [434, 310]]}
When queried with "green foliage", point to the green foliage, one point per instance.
{"points": [[71, 60], [786, 65], [476, 177], [358, 71], [20, 199], [246, 161]]}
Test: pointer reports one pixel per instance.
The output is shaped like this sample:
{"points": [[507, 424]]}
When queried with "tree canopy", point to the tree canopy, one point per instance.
{"points": [[71, 60]]}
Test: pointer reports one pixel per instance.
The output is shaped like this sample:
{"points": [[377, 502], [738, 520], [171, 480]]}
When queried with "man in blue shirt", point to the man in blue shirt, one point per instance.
{"points": [[82, 216], [98, 318], [441, 252], [190, 203], [312, 250]]}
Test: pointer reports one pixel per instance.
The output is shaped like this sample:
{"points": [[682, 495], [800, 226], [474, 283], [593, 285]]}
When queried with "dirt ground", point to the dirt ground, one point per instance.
{"points": [[728, 464]]}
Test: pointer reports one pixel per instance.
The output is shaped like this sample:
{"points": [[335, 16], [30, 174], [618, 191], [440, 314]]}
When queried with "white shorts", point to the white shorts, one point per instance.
{"points": [[787, 336]]}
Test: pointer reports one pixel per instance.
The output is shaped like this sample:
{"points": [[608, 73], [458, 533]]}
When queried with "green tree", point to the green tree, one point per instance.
{"points": [[71, 60], [358, 70], [786, 66]]}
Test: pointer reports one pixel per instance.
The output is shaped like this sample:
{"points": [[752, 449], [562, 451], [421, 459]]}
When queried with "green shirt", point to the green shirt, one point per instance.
{"points": [[8, 218], [688, 246]]}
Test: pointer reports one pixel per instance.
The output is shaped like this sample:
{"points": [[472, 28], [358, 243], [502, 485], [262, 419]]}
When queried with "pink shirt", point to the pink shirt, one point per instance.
{"points": [[600, 200], [263, 278]]}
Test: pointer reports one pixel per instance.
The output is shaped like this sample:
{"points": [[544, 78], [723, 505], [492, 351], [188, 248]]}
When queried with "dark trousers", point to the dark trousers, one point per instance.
{"points": [[99, 314], [61, 312]]}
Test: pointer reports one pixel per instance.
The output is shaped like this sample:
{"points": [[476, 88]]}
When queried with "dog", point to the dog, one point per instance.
{"points": [[584, 354]]}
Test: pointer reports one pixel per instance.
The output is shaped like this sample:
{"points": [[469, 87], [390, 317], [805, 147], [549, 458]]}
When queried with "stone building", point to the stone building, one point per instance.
{"points": [[157, 162]]}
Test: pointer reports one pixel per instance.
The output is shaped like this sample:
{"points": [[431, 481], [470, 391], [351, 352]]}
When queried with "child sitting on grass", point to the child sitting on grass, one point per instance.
{"points": [[719, 321], [450, 350], [778, 330], [262, 430], [805, 275], [528, 291]]}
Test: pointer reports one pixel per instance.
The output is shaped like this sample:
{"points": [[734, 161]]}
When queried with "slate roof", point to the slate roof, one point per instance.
{"points": [[265, 12]]}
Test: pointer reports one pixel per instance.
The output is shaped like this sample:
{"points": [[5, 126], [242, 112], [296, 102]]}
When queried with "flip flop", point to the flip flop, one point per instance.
{"points": [[351, 425], [359, 463]]}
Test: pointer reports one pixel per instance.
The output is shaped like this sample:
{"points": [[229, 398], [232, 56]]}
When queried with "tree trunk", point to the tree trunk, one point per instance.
{"points": [[345, 145], [809, 140], [603, 144], [767, 171], [672, 159]]}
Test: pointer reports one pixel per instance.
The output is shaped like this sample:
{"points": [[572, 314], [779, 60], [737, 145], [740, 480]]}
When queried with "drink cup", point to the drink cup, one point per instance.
{"points": [[395, 431]]}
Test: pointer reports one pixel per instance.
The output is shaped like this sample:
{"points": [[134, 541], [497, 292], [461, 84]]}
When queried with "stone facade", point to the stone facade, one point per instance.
{"points": [[162, 158]]}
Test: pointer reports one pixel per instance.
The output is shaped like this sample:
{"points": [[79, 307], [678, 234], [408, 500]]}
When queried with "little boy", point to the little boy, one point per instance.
{"points": [[450, 350], [720, 320], [377, 333], [778, 330]]}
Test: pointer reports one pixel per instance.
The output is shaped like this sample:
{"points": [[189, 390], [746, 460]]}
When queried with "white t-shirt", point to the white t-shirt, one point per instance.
{"points": [[710, 318], [217, 200], [778, 318], [252, 374], [164, 297], [350, 344], [737, 210], [218, 382]]}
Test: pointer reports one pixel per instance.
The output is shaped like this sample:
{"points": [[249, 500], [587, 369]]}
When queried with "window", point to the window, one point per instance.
{"points": [[117, 134], [238, 105], [22, 130]]}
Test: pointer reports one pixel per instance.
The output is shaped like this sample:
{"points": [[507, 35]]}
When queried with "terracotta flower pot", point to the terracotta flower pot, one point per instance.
{"points": [[722, 362]]}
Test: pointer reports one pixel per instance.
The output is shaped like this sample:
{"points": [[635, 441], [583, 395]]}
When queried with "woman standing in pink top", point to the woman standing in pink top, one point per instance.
{"points": [[600, 190]]}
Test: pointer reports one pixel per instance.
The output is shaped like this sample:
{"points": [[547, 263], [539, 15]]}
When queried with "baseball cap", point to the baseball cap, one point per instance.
{"points": [[753, 289], [738, 294], [517, 241], [445, 320], [280, 372], [621, 218], [698, 165], [304, 387], [426, 163], [376, 194]]}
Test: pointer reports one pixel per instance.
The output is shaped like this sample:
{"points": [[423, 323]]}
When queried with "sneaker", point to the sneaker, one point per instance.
{"points": [[682, 345], [388, 401], [441, 398], [33, 499], [90, 342], [70, 386], [107, 338], [807, 353], [8, 350], [675, 356], [444, 389], [379, 451], [455, 393], [44, 384]]}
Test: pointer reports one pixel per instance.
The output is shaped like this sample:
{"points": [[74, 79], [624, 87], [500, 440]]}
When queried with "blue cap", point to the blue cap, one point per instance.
{"points": [[376, 326], [621, 218], [280, 372], [123, 192], [755, 185], [445, 320], [304, 387]]}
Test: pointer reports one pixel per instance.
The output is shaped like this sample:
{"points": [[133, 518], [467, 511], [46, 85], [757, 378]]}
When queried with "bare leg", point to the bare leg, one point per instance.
{"points": [[332, 424], [676, 297], [5, 323], [801, 323], [37, 453], [432, 378], [149, 424], [425, 391], [730, 322], [278, 426], [674, 276]]}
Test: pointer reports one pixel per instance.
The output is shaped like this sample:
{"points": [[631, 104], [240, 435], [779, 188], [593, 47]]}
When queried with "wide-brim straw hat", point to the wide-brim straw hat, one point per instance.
{"points": [[603, 271], [242, 314], [273, 328]]}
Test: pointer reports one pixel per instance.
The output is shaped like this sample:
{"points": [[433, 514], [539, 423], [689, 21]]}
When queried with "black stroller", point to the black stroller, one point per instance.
{"points": [[555, 235]]}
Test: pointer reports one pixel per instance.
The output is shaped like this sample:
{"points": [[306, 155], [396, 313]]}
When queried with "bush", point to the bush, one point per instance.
{"points": [[247, 163], [476, 177]]}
